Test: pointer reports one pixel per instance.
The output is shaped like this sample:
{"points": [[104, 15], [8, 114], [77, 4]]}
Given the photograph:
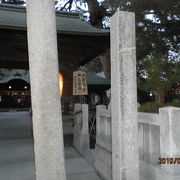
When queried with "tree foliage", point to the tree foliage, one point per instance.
{"points": [[157, 24], [158, 74], [157, 42]]}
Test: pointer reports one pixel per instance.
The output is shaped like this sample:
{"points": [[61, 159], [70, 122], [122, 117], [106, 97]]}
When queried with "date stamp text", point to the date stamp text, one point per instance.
{"points": [[169, 160]]}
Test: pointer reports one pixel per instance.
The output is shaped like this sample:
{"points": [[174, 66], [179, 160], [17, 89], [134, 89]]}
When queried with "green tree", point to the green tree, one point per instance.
{"points": [[157, 24], [157, 40], [158, 74]]}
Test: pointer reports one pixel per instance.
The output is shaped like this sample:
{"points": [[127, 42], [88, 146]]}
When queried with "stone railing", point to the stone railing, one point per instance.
{"points": [[159, 140], [149, 137], [81, 128], [159, 137], [103, 148]]}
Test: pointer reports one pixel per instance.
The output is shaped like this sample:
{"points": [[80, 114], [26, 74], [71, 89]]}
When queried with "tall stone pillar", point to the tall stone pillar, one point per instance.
{"points": [[43, 64], [125, 164]]}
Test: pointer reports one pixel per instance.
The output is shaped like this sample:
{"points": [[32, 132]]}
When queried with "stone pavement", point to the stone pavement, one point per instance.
{"points": [[17, 162], [17, 155], [19, 125]]}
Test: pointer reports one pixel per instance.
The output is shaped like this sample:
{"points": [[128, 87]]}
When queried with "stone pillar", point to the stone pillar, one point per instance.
{"points": [[125, 164], [43, 64], [170, 139]]}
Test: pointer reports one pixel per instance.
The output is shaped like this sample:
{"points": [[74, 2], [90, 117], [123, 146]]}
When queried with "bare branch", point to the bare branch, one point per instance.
{"points": [[70, 5]]}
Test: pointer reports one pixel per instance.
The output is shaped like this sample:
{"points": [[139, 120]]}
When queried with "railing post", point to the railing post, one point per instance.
{"points": [[151, 148], [125, 163], [98, 125], [103, 149], [81, 129], [170, 140]]}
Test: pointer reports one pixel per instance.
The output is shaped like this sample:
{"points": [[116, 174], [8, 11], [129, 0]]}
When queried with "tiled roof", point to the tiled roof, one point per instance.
{"points": [[14, 17]]}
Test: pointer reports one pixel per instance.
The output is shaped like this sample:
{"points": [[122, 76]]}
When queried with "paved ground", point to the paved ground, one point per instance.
{"points": [[17, 156], [15, 125], [17, 162]]}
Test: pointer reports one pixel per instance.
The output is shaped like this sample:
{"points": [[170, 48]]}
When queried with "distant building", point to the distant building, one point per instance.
{"points": [[15, 91], [78, 43]]}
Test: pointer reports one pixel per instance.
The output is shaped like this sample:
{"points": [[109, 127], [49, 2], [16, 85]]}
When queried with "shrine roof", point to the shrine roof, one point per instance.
{"points": [[14, 17]]}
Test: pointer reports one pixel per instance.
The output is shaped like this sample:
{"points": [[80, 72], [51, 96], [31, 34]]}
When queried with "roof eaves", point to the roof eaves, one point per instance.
{"points": [[18, 8], [88, 29]]}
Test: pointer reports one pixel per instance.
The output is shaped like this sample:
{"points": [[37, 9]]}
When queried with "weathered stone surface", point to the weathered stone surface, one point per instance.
{"points": [[87, 176], [125, 162], [43, 63], [103, 127], [151, 143], [140, 141], [170, 138], [81, 129], [149, 137], [103, 149], [103, 162]]}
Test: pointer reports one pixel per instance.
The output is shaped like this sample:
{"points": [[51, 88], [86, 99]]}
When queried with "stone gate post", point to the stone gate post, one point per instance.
{"points": [[125, 164], [43, 64]]}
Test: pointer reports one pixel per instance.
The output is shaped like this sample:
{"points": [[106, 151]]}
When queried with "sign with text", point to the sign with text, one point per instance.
{"points": [[79, 83]]}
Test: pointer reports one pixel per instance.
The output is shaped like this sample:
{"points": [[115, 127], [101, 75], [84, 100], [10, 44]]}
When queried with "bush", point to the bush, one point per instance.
{"points": [[176, 102], [152, 107]]}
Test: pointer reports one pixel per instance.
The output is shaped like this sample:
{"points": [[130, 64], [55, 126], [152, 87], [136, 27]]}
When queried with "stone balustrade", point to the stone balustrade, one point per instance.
{"points": [[158, 137], [103, 148]]}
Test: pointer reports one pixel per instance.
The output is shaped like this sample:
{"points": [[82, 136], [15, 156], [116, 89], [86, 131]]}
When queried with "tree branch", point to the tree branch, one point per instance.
{"points": [[70, 5]]}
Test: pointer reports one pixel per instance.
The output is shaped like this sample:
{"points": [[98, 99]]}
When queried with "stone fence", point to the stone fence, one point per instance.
{"points": [[159, 137], [103, 148], [149, 137]]}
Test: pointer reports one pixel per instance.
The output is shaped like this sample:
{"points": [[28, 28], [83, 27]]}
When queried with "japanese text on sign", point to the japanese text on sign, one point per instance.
{"points": [[79, 83]]}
